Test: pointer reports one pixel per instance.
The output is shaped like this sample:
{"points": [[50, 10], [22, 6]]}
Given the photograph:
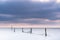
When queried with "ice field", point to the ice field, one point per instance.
{"points": [[37, 34]]}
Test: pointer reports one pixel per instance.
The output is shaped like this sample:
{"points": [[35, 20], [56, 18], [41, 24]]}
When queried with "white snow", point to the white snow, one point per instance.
{"points": [[38, 34]]}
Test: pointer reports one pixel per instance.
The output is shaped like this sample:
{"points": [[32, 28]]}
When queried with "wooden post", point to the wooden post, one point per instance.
{"points": [[14, 29], [22, 30], [45, 32], [30, 30]]}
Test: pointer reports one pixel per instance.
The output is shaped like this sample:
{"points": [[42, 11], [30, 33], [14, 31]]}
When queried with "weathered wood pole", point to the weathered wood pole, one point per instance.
{"points": [[45, 32], [30, 30], [14, 29], [22, 30]]}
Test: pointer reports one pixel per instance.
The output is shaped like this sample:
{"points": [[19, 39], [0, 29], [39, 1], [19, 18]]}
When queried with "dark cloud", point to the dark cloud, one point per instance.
{"points": [[29, 10]]}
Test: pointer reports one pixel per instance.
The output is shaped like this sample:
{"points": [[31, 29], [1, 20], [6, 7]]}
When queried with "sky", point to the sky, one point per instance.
{"points": [[32, 13]]}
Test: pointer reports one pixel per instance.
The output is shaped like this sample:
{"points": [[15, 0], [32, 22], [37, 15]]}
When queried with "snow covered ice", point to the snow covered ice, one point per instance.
{"points": [[37, 34]]}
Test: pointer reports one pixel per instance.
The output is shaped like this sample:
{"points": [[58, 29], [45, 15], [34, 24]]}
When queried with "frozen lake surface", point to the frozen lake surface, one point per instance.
{"points": [[37, 34]]}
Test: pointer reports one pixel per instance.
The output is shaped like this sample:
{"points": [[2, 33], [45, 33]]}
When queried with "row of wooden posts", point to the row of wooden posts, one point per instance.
{"points": [[31, 30]]}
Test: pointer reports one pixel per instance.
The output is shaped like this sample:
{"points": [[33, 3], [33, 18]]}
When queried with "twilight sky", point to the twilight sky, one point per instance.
{"points": [[30, 12]]}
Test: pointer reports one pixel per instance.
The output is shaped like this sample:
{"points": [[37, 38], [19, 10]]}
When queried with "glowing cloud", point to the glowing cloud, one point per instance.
{"points": [[36, 0], [41, 0], [57, 1], [44, 0]]}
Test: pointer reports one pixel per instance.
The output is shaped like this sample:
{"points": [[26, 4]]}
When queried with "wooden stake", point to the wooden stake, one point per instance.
{"points": [[45, 32], [14, 29], [30, 30], [22, 30]]}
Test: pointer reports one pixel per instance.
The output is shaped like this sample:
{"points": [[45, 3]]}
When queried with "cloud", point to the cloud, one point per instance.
{"points": [[38, 21], [33, 22], [28, 12], [57, 14], [6, 15]]}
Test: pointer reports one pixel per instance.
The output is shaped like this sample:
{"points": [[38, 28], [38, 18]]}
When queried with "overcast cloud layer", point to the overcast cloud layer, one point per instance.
{"points": [[19, 11]]}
